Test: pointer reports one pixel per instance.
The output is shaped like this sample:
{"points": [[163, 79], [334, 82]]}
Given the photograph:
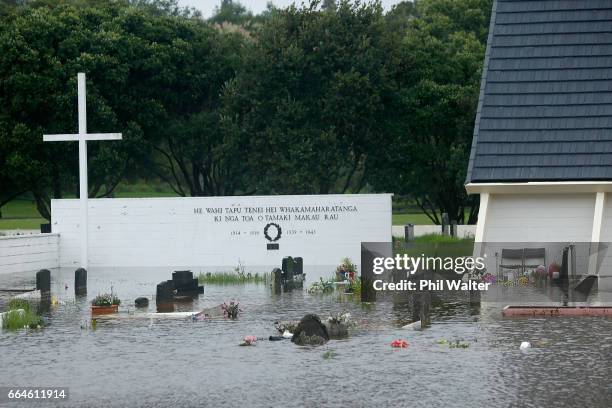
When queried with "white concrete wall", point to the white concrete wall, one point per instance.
{"points": [[551, 221], [24, 253], [540, 218], [184, 232], [463, 231]]}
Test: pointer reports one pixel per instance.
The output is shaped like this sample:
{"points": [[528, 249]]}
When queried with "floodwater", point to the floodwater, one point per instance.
{"points": [[163, 363]]}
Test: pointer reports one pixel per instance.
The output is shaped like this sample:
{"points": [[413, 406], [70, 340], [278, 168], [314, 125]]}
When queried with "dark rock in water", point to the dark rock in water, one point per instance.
{"points": [[141, 302], [276, 338], [310, 331]]}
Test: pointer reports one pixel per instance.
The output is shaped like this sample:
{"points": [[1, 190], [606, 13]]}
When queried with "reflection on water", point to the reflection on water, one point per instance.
{"points": [[161, 363]]}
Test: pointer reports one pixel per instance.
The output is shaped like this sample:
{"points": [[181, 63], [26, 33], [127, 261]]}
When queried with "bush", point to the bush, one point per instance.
{"points": [[21, 315]]}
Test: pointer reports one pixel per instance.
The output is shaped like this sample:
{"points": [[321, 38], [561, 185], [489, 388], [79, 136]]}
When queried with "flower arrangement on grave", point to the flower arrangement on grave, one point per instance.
{"points": [[231, 310], [347, 270], [105, 303], [323, 286], [106, 300]]}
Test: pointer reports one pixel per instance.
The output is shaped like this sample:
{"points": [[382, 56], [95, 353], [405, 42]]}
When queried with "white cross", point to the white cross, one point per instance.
{"points": [[82, 137]]}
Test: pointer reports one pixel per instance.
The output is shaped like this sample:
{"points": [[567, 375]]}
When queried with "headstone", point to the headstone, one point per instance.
{"points": [[408, 232], [310, 331], [298, 264], [182, 286], [421, 308], [43, 281], [165, 292], [80, 281], [277, 276], [288, 268]]}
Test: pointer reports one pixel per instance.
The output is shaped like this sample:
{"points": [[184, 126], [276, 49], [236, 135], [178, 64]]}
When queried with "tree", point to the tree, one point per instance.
{"points": [[311, 97], [439, 71], [230, 11], [148, 70]]}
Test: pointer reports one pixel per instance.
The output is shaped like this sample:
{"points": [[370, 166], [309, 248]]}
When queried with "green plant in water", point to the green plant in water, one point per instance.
{"points": [[232, 278], [15, 304], [459, 344], [106, 300], [329, 355], [21, 315]]}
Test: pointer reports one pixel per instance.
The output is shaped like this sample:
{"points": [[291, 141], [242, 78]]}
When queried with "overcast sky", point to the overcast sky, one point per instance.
{"points": [[256, 6]]}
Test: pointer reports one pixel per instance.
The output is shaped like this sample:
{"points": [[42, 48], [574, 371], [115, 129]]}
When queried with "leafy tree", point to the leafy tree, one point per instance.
{"points": [[439, 71], [149, 71], [230, 11], [311, 96]]}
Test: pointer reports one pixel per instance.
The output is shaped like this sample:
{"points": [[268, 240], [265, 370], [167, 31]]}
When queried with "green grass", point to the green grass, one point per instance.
{"points": [[411, 218], [20, 214], [232, 278], [439, 239], [16, 320]]}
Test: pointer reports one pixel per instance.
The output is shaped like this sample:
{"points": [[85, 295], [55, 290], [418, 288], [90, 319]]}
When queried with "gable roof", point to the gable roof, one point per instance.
{"points": [[545, 106]]}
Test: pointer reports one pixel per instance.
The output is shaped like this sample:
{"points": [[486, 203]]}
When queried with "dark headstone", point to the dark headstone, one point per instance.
{"points": [[277, 276], [43, 281], [182, 278], [45, 228], [185, 284], [408, 232], [80, 281], [288, 268], [298, 265], [141, 302], [165, 291], [310, 331]]}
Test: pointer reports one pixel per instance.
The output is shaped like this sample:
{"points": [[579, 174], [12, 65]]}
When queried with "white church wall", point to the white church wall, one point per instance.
{"points": [[551, 221], [220, 232]]}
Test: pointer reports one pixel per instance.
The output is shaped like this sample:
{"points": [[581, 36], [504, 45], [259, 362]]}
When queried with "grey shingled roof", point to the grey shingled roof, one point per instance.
{"points": [[545, 107]]}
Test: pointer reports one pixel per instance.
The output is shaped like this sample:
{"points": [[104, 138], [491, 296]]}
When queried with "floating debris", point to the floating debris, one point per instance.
{"points": [[287, 334], [414, 325], [249, 341], [329, 355], [399, 343], [525, 345]]}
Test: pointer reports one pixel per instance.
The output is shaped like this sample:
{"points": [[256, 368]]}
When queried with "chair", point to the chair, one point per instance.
{"points": [[512, 259], [532, 258]]}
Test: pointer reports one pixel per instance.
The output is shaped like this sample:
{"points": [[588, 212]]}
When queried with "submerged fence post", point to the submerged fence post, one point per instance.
{"points": [[80, 281], [43, 281]]}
